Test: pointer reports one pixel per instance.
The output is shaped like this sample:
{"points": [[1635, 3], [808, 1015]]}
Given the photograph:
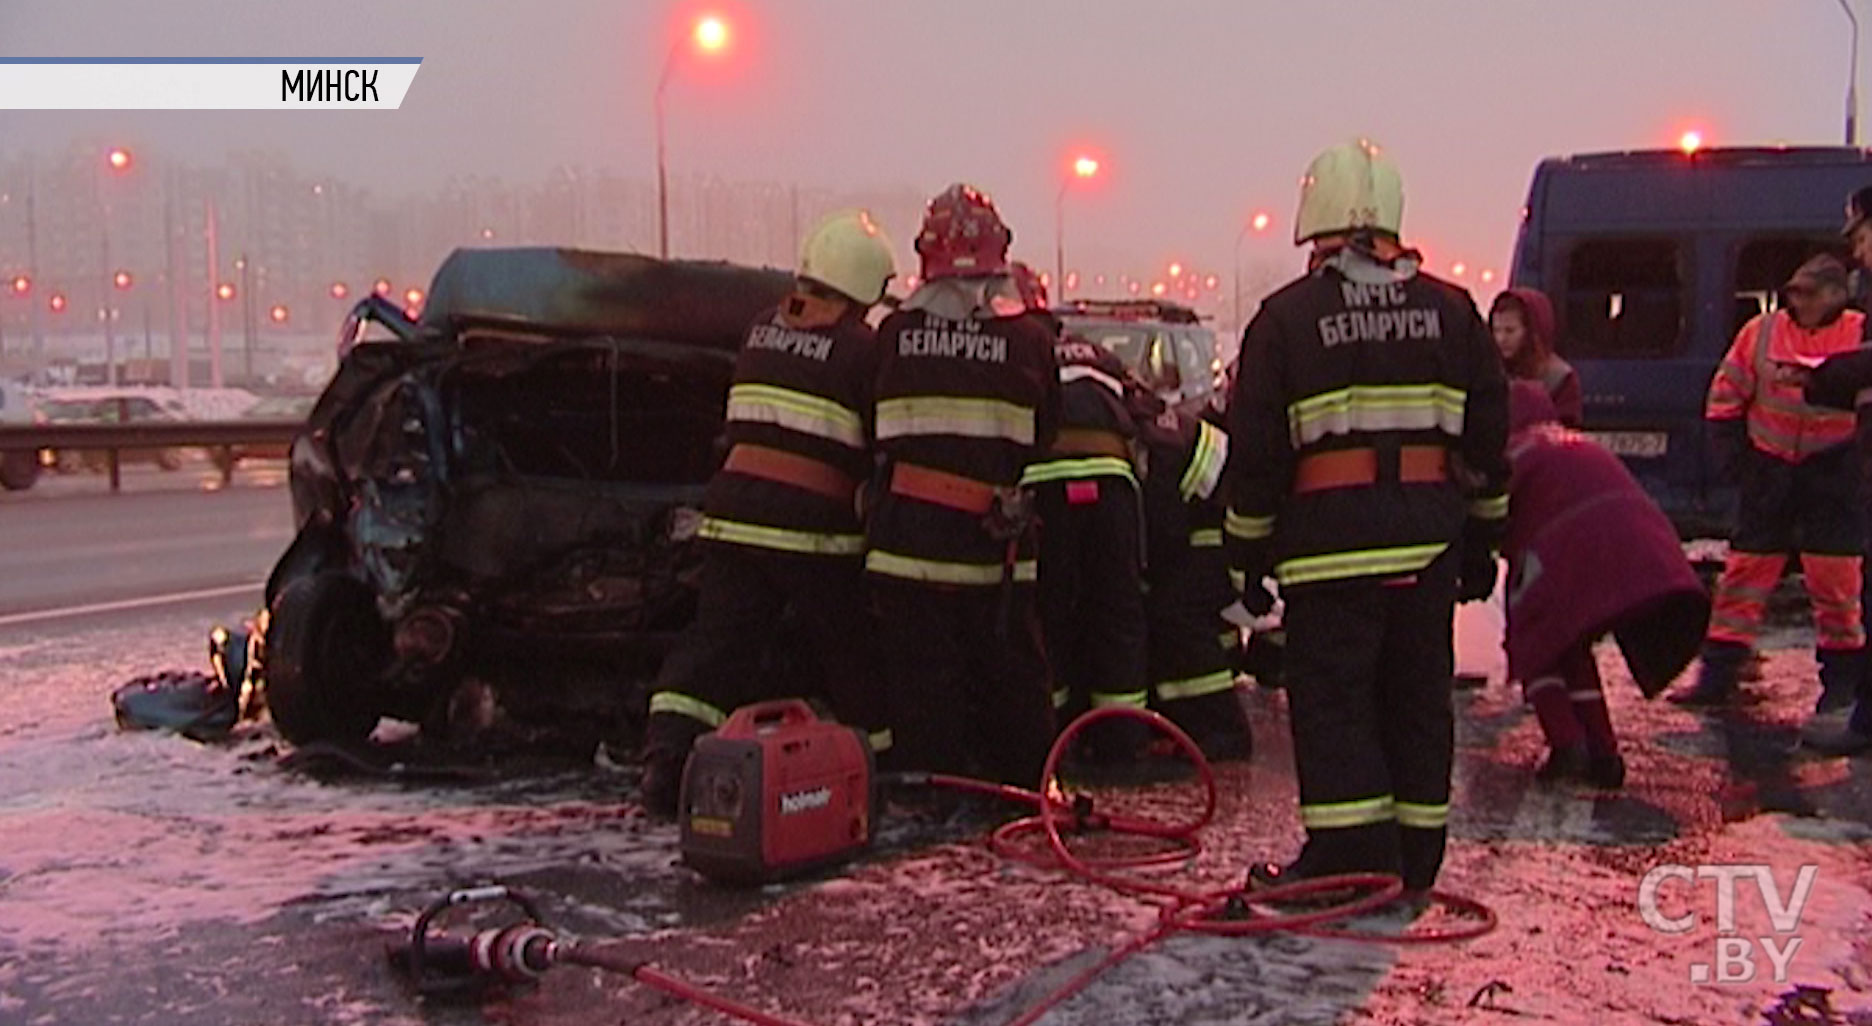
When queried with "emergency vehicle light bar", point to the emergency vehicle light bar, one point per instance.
{"points": [[1130, 310]]}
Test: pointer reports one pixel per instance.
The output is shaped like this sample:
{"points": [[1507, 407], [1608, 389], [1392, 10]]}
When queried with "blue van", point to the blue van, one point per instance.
{"points": [[1654, 260]]}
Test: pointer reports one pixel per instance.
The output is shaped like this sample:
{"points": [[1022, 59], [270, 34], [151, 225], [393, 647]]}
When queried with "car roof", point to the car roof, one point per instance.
{"points": [[548, 293]]}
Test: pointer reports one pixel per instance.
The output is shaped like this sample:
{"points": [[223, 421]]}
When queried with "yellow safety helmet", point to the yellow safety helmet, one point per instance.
{"points": [[849, 254], [1350, 187]]}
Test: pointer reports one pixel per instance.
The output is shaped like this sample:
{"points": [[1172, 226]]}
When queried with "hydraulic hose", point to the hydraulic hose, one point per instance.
{"points": [[521, 953]]}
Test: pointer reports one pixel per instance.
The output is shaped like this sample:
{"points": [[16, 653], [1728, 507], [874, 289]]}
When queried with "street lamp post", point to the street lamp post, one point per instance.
{"points": [[1852, 77], [1259, 223], [1082, 167], [118, 161], [710, 35]]}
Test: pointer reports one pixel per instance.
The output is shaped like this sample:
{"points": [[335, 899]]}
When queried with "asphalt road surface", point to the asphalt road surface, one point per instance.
{"points": [[69, 544], [145, 879]]}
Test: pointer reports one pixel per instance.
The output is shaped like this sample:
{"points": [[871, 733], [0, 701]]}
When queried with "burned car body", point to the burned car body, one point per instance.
{"points": [[505, 492]]}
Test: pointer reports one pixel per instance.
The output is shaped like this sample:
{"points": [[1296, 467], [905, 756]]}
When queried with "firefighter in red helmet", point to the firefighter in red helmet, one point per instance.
{"points": [[967, 395]]}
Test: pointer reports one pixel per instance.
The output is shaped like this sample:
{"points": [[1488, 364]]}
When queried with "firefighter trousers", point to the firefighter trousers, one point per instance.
{"points": [[1806, 507], [1192, 649], [966, 680], [732, 654], [1091, 598], [1368, 684]]}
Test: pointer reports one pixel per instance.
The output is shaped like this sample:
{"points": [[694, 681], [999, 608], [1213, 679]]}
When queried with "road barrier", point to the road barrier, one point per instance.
{"points": [[112, 439]]}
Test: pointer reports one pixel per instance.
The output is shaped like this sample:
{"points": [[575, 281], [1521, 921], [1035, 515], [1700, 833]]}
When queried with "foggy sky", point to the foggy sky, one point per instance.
{"points": [[1203, 111]]}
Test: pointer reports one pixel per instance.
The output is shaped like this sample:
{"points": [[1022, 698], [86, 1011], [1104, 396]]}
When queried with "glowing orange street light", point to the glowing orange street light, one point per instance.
{"points": [[1133, 286], [224, 292], [1690, 142], [121, 279], [381, 286], [1211, 282], [1487, 276], [118, 158], [1260, 222], [57, 302], [338, 290], [278, 314], [20, 285], [711, 34], [413, 297], [1176, 270], [1459, 269], [1158, 289], [1072, 280], [1085, 167]]}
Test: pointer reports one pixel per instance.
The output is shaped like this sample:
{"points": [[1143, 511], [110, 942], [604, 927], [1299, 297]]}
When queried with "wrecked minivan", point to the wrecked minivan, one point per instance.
{"points": [[496, 504]]}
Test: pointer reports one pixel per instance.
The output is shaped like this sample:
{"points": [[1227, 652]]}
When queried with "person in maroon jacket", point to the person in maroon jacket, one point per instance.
{"points": [[1571, 581], [1522, 321]]}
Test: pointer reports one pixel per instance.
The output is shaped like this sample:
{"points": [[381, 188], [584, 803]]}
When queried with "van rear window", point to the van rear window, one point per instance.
{"points": [[1624, 299]]}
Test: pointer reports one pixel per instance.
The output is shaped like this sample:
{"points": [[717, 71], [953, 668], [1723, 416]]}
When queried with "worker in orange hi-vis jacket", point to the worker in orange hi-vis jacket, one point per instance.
{"points": [[1792, 463]]}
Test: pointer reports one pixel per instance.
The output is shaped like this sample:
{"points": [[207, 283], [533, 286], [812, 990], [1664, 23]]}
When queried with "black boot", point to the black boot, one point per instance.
{"points": [[666, 754], [1840, 673], [1716, 680]]}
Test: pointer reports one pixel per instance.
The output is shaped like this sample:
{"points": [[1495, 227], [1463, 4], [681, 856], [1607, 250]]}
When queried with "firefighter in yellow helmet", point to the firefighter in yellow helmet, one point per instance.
{"points": [[1367, 477], [780, 518]]}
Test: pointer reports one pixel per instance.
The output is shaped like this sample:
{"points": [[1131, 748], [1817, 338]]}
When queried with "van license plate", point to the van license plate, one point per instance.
{"points": [[1641, 444]]}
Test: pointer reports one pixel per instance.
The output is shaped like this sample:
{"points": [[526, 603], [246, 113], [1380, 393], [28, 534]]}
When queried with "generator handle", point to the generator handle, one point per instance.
{"points": [[750, 720]]}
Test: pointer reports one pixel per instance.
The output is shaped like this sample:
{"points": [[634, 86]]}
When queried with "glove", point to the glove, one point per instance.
{"points": [[1477, 574]]}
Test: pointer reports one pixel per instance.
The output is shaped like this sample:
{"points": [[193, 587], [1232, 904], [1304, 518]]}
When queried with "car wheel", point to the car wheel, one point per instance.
{"points": [[326, 647], [18, 470]]}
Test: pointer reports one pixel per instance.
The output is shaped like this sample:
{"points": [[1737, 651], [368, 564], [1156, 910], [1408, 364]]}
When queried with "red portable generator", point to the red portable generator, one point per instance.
{"points": [[776, 791]]}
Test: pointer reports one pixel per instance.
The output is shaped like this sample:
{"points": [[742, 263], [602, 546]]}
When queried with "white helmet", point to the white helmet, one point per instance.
{"points": [[1350, 187], [849, 254]]}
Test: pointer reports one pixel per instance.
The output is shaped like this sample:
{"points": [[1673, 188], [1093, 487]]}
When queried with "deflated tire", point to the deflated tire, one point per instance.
{"points": [[326, 651]]}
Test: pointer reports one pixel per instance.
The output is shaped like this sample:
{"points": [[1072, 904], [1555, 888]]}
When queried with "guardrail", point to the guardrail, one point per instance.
{"points": [[150, 434]]}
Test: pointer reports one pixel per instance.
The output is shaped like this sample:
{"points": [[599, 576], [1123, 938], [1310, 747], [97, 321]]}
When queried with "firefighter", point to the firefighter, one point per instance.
{"points": [[1368, 478], [967, 395], [1792, 463], [1091, 552], [1193, 650], [780, 523]]}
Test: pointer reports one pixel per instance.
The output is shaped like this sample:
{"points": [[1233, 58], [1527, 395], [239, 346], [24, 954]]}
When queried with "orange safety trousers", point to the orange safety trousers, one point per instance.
{"points": [[1749, 577]]}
